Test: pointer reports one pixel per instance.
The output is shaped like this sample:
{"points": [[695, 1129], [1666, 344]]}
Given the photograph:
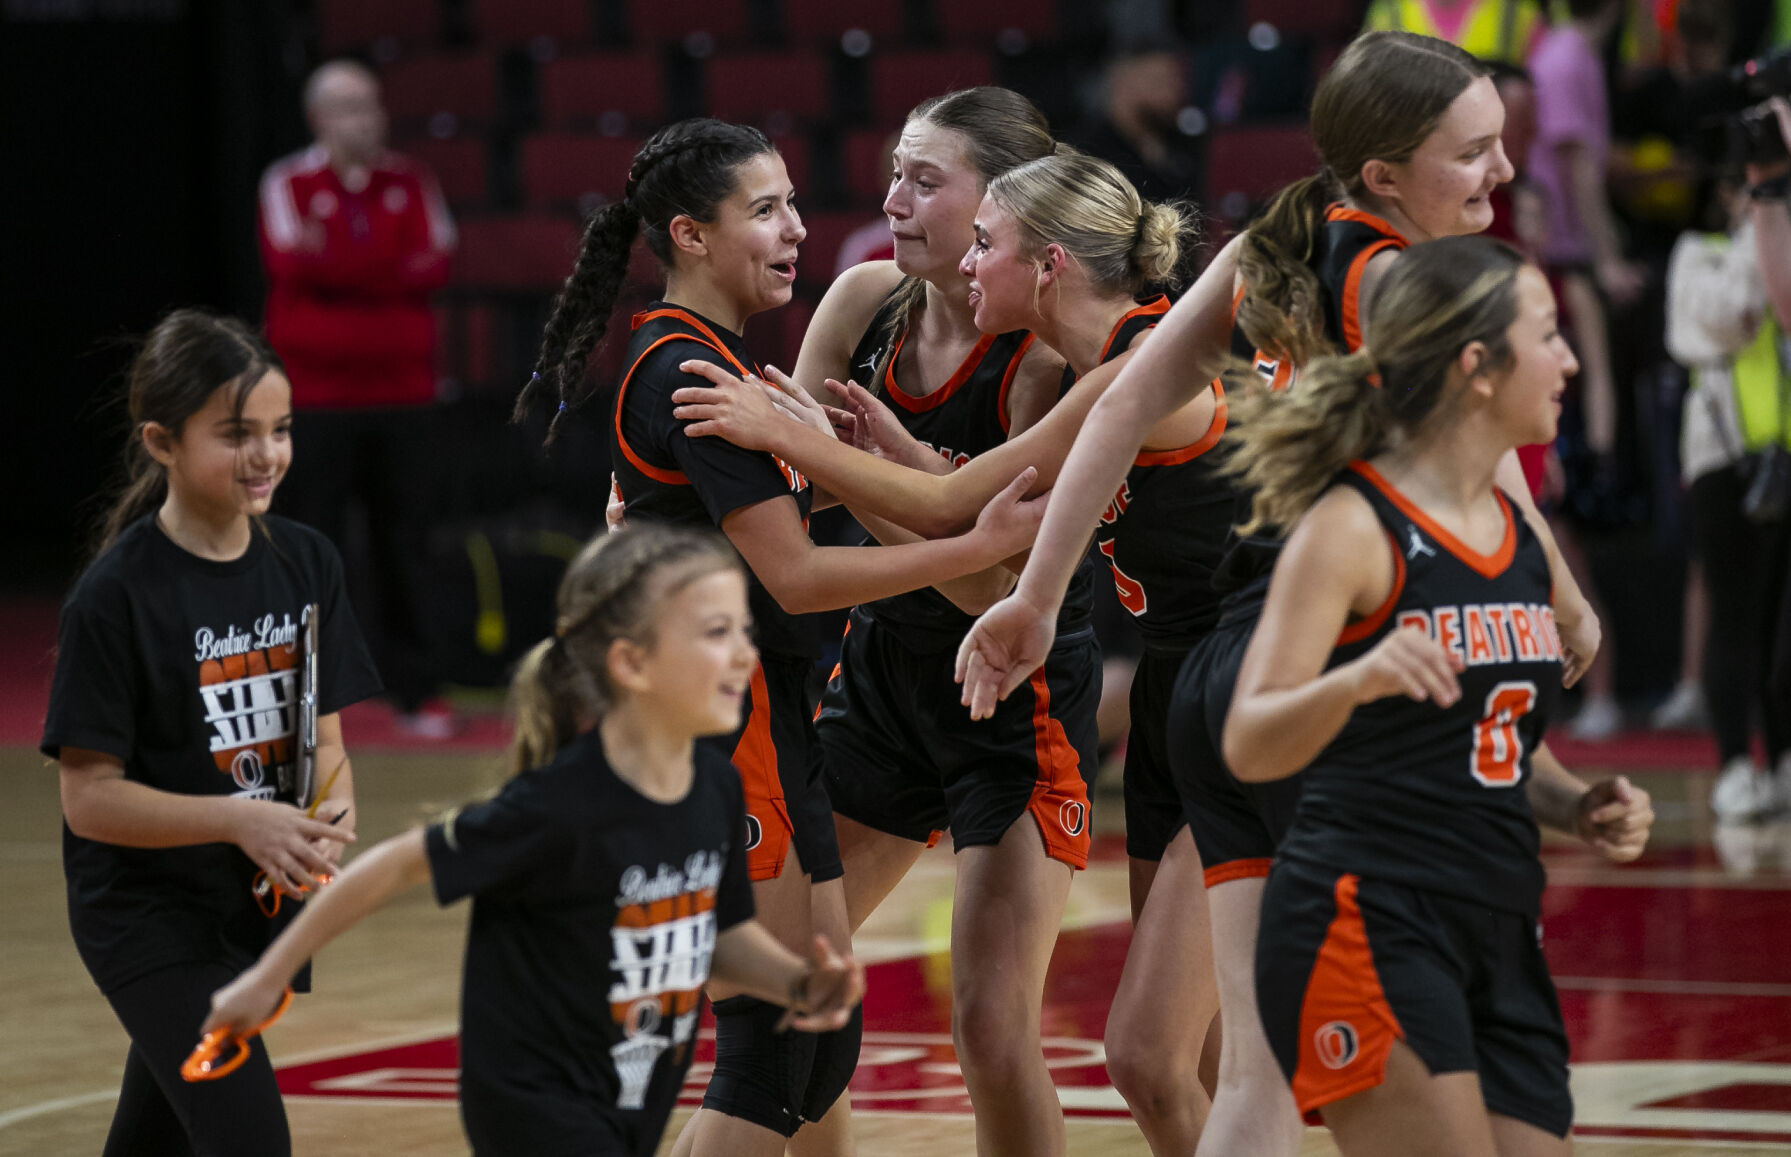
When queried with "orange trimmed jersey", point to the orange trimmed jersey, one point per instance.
{"points": [[1342, 249], [667, 477], [1164, 532], [1429, 796], [961, 419]]}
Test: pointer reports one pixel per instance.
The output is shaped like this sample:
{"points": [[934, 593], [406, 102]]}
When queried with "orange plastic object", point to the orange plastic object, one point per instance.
{"points": [[204, 1065]]}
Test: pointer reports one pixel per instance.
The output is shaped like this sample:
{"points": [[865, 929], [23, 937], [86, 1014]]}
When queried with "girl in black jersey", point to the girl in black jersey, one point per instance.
{"points": [[1409, 129], [173, 718], [1407, 659], [903, 762], [716, 208], [1062, 246], [608, 875]]}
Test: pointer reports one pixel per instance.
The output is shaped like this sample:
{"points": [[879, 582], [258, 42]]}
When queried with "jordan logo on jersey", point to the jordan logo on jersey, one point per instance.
{"points": [[1418, 546]]}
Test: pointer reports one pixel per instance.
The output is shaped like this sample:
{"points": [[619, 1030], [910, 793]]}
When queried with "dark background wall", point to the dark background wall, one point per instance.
{"points": [[134, 133]]}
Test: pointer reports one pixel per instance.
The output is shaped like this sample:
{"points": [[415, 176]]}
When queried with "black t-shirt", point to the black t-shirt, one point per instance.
{"points": [[1427, 796], [666, 477], [961, 419], [595, 914], [186, 670]]}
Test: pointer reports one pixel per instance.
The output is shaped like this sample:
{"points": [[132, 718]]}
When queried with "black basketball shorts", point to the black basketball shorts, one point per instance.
{"points": [[1346, 966], [904, 757], [1236, 826]]}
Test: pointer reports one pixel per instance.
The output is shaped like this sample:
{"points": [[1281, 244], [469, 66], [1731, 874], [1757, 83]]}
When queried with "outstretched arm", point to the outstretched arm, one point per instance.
{"points": [[1159, 377], [390, 868], [803, 577]]}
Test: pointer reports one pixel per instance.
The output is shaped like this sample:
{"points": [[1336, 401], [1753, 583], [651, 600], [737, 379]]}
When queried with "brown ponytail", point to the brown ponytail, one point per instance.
{"points": [[1379, 101], [1436, 299]]}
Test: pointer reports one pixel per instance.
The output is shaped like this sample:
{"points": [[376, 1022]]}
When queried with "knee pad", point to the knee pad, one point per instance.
{"points": [[761, 1075], [835, 1060]]}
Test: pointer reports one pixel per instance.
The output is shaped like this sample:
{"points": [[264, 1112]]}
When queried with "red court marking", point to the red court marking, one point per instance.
{"points": [[1742, 1098], [1599, 939]]}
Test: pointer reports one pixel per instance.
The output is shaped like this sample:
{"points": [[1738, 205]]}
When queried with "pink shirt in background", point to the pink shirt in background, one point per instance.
{"points": [[1571, 108]]}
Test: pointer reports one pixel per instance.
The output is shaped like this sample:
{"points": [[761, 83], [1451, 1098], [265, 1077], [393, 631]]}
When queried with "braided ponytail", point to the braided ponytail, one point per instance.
{"points": [[686, 169]]}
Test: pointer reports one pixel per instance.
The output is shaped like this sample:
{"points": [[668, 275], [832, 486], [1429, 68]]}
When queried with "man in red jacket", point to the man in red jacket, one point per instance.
{"points": [[354, 239]]}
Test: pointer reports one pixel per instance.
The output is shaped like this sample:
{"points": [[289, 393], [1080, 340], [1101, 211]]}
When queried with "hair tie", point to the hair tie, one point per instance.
{"points": [[1138, 229], [561, 410]]}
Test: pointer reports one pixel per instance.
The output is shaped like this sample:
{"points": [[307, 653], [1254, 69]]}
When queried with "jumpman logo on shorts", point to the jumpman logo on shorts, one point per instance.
{"points": [[1418, 545]]}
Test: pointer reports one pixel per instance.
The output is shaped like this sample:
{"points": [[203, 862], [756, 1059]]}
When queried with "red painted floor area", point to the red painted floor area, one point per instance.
{"points": [[1712, 1010]]}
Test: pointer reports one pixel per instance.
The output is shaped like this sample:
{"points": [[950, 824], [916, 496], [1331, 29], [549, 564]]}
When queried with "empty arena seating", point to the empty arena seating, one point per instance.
{"points": [[582, 92]]}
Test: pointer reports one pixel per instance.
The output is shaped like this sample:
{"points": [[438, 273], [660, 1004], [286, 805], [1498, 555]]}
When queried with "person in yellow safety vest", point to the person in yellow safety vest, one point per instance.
{"points": [[1718, 326], [1490, 29]]}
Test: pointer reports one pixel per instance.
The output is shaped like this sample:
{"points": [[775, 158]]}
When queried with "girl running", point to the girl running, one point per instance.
{"points": [[609, 874], [1407, 660], [717, 209], [174, 721]]}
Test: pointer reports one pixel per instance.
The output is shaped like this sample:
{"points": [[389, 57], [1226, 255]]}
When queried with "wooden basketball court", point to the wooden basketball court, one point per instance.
{"points": [[1675, 978]]}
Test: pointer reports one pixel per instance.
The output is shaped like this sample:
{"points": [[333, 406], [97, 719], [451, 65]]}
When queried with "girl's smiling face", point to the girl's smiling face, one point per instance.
{"points": [[225, 464]]}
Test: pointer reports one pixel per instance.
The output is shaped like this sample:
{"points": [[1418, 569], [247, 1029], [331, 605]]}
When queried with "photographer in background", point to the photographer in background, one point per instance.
{"points": [[1735, 461], [1771, 197], [1771, 209]]}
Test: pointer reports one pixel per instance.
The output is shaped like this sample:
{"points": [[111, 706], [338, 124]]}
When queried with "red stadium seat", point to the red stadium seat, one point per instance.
{"points": [[531, 253], [1255, 162], [775, 338], [348, 24], [755, 85], [566, 22], [459, 163], [1305, 17], [901, 80], [672, 21], [560, 169], [463, 85], [820, 251], [981, 21], [795, 150], [867, 165], [579, 91], [806, 21]]}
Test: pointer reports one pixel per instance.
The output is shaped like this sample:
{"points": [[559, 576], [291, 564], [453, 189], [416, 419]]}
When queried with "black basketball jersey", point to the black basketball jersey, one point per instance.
{"points": [[1431, 796], [961, 419], [1341, 250], [666, 477], [1166, 529]]}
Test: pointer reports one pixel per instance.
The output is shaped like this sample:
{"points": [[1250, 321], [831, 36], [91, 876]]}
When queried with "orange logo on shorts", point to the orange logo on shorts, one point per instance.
{"points": [[1336, 1044]]}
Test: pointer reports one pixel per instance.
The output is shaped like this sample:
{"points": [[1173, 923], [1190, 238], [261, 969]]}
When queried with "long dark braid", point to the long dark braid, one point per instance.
{"points": [[685, 169]]}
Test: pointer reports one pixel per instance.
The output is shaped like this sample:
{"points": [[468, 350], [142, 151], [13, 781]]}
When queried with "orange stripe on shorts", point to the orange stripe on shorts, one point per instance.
{"points": [[1346, 1026]]}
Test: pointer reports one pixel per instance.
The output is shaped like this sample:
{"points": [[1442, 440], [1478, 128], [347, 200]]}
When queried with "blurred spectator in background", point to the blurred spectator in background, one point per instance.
{"points": [[1520, 220], [1493, 30], [1720, 327], [1137, 125], [1767, 191], [1580, 250], [354, 239], [1568, 160]]}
